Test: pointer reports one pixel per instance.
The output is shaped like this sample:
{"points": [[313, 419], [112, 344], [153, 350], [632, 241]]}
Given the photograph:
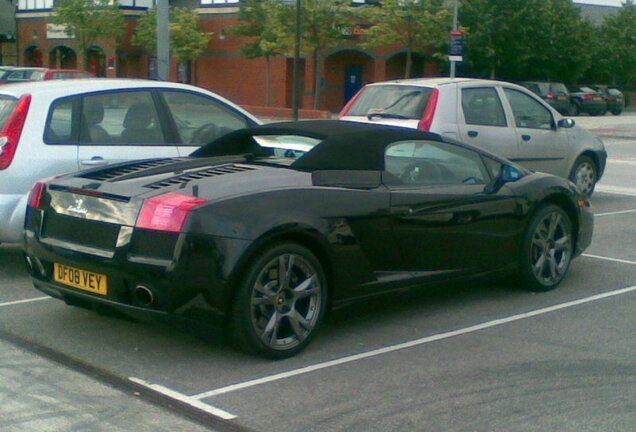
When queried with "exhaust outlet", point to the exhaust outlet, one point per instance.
{"points": [[144, 295]]}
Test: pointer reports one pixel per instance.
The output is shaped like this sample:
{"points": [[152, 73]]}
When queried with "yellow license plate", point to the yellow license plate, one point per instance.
{"points": [[82, 279]]}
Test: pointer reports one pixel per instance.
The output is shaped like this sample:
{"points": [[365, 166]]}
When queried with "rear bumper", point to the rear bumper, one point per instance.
{"points": [[192, 285], [12, 210]]}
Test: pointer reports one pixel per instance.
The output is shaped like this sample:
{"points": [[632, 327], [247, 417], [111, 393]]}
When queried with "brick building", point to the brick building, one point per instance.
{"points": [[222, 68]]}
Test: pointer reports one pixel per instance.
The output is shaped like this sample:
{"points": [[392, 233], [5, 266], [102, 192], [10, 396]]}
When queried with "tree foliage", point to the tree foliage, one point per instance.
{"points": [[615, 54], [416, 25], [260, 21], [324, 24], [88, 21], [187, 42]]}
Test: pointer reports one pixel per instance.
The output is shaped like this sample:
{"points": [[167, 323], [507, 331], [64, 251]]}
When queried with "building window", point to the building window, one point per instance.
{"points": [[35, 4], [218, 2]]}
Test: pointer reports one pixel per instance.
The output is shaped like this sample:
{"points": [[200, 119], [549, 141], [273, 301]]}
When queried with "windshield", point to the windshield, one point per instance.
{"points": [[403, 101]]}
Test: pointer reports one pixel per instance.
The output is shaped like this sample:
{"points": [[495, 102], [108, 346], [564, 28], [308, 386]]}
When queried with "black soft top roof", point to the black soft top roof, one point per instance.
{"points": [[344, 145]]}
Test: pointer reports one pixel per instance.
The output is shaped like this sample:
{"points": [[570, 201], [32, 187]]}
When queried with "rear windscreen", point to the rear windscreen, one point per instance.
{"points": [[559, 88], [406, 101], [6, 106]]}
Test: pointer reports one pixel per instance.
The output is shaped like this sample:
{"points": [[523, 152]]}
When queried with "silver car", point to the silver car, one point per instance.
{"points": [[55, 127], [504, 118]]}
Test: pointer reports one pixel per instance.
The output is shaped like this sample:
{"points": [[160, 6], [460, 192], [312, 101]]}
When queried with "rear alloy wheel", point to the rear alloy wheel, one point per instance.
{"points": [[617, 112], [280, 302], [547, 249], [584, 175]]}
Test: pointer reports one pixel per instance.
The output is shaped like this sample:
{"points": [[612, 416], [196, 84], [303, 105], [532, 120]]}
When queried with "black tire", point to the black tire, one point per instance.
{"points": [[274, 315], [547, 249], [584, 174], [575, 109], [617, 112]]}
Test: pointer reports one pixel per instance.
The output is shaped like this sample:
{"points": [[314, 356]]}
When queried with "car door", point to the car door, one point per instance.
{"points": [[542, 145], [443, 217], [122, 125], [483, 121], [199, 119]]}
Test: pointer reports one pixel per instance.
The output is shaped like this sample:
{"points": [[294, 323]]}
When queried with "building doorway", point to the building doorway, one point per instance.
{"points": [[33, 57], [96, 61], [62, 57]]}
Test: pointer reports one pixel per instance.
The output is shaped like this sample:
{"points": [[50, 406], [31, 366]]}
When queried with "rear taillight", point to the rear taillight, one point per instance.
{"points": [[167, 212], [345, 110], [35, 195], [10, 133], [429, 111], [550, 95], [587, 97]]}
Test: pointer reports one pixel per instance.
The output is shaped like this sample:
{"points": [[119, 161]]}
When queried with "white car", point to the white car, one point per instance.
{"points": [[504, 118], [55, 127]]}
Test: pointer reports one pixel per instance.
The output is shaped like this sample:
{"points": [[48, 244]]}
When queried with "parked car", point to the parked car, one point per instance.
{"points": [[53, 127], [554, 93], [501, 117], [265, 227], [22, 74], [14, 74], [614, 98], [584, 99]]}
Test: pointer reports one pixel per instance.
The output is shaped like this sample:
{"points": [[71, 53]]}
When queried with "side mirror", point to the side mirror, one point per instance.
{"points": [[508, 174], [566, 123]]}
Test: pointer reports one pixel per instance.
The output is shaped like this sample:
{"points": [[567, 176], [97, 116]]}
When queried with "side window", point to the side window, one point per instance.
{"points": [[428, 163], [59, 127], [481, 106], [201, 119], [120, 118], [528, 112]]}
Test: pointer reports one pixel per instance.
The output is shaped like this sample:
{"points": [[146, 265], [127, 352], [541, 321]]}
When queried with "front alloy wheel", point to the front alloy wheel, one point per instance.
{"points": [[584, 175], [280, 302], [547, 250]]}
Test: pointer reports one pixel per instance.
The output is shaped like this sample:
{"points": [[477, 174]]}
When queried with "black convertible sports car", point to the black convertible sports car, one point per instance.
{"points": [[265, 228]]}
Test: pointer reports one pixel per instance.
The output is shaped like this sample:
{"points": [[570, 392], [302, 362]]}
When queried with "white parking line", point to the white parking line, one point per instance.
{"points": [[615, 213], [621, 162], [186, 399], [11, 303], [622, 261], [616, 190], [409, 344]]}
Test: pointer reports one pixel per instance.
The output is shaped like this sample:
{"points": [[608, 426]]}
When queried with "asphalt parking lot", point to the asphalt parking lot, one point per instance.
{"points": [[466, 357]]}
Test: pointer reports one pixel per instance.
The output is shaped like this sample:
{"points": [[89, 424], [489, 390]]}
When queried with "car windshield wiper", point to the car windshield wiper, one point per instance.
{"points": [[388, 115]]}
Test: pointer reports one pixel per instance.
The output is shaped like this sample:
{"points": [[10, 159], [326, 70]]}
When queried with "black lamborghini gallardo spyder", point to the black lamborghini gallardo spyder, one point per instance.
{"points": [[264, 229]]}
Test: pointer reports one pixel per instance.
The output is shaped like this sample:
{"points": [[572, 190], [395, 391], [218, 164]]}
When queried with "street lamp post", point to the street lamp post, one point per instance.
{"points": [[163, 39], [296, 92]]}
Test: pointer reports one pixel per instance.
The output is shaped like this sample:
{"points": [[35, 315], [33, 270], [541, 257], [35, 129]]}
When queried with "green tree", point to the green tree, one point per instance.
{"points": [[560, 47], [187, 42], [616, 53], [416, 25], [525, 39], [324, 25], [89, 20], [260, 21]]}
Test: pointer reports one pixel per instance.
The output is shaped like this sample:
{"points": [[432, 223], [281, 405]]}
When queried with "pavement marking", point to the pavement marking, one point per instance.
{"points": [[617, 190], [615, 213], [621, 162], [409, 344], [11, 303], [618, 260], [185, 399]]}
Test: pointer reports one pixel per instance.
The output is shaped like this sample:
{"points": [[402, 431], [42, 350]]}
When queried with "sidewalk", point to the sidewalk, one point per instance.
{"points": [[37, 395]]}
